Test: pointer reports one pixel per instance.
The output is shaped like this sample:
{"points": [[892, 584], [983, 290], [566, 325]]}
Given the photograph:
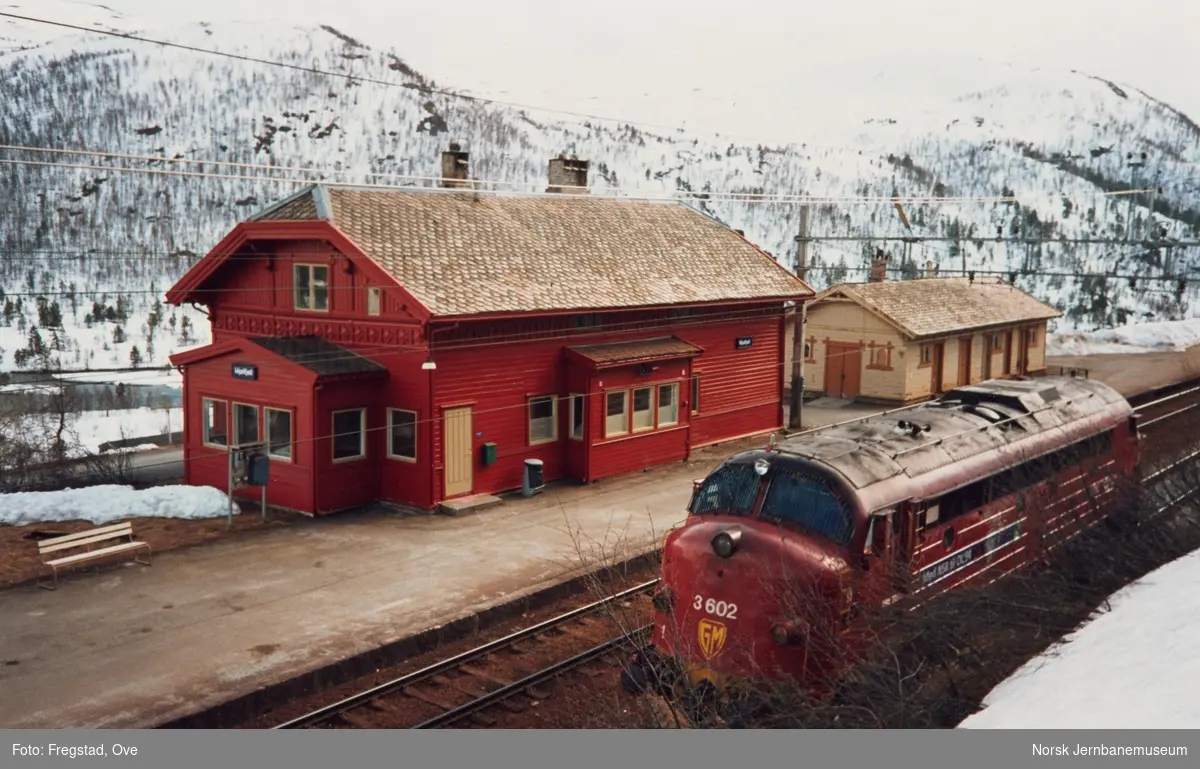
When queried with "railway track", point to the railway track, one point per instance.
{"points": [[1168, 418], [468, 674]]}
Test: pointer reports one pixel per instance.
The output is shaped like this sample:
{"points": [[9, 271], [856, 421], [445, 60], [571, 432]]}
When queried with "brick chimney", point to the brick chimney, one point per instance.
{"points": [[455, 167], [878, 268], [568, 176]]}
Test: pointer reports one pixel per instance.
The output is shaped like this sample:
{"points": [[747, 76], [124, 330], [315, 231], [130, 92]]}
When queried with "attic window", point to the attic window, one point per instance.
{"points": [[311, 287], [373, 300]]}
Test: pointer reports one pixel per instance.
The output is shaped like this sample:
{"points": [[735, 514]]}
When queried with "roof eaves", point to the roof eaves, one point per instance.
{"points": [[258, 215]]}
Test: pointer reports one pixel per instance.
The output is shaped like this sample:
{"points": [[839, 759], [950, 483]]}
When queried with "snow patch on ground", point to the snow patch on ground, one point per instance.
{"points": [[108, 504], [97, 427], [1164, 336], [1133, 667]]}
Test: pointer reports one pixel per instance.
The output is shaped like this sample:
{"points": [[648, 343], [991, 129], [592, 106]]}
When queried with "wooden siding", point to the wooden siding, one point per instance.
{"points": [[638, 450], [347, 483], [845, 321], [260, 279], [496, 367], [279, 385]]}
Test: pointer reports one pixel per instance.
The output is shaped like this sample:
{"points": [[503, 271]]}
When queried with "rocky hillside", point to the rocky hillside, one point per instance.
{"points": [[71, 239]]}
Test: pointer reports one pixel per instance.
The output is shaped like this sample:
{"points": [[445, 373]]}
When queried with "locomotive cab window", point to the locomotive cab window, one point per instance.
{"points": [[730, 490], [809, 505]]}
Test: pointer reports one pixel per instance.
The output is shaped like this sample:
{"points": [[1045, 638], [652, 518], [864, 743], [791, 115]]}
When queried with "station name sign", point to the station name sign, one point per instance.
{"points": [[743, 342], [245, 371]]}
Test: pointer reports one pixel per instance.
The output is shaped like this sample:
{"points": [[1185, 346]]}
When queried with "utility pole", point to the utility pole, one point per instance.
{"points": [[1134, 164], [795, 419]]}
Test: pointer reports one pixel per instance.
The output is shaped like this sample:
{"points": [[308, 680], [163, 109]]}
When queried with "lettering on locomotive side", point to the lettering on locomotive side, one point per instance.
{"points": [[945, 567], [725, 609], [711, 635]]}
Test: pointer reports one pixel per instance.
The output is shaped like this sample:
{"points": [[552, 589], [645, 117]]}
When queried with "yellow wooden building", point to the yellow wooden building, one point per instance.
{"points": [[902, 341]]}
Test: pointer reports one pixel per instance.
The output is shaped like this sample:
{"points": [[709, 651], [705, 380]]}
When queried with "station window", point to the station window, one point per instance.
{"points": [[926, 354], [279, 433], [616, 414], [402, 434], [643, 409], [543, 419], [311, 284], [216, 422], [373, 300], [349, 434], [578, 413], [668, 405], [695, 393], [245, 424]]}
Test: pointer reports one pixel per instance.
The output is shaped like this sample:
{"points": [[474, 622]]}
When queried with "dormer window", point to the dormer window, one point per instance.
{"points": [[311, 283]]}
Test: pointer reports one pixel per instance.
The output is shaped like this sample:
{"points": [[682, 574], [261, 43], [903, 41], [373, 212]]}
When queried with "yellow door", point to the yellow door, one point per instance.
{"points": [[457, 446]]}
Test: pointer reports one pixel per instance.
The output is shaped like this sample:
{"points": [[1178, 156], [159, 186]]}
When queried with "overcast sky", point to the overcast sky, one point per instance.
{"points": [[645, 59]]}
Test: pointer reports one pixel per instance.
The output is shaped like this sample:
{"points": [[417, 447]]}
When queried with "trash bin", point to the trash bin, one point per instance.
{"points": [[533, 477]]}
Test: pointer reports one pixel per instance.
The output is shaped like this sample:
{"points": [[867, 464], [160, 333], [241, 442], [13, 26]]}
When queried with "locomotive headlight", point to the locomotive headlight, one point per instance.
{"points": [[787, 632], [726, 542]]}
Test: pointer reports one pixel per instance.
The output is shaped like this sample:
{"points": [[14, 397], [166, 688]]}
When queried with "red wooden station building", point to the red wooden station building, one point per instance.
{"points": [[418, 345]]}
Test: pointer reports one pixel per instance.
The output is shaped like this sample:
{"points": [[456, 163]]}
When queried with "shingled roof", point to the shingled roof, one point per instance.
{"points": [[462, 252], [930, 307]]}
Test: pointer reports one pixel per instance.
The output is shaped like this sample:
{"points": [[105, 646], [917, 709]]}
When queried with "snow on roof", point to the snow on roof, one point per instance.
{"points": [[1133, 667]]}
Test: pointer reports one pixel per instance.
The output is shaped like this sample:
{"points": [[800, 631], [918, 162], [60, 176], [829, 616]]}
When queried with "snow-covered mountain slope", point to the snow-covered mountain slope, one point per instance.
{"points": [[77, 236]]}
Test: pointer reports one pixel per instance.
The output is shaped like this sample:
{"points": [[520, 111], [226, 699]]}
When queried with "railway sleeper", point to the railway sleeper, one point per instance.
{"points": [[474, 692], [429, 699], [484, 675], [537, 693]]}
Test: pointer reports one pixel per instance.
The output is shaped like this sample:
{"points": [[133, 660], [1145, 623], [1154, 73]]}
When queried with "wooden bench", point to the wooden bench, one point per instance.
{"points": [[104, 536]]}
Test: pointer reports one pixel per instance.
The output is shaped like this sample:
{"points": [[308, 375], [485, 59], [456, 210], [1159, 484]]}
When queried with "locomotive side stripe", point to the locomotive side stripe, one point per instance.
{"points": [[965, 556]]}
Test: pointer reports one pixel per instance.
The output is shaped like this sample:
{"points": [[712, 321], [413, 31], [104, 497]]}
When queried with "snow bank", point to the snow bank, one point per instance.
{"points": [[108, 504], [1134, 667], [1164, 336]]}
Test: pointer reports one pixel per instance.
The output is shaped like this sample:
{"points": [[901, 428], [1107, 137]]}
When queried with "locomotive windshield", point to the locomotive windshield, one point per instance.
{"points": [[731, 489], [808, 504], [794, 499]]}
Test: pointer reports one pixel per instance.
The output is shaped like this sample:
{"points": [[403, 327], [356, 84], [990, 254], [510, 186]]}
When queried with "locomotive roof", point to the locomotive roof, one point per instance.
{"points": [[964, 433]]}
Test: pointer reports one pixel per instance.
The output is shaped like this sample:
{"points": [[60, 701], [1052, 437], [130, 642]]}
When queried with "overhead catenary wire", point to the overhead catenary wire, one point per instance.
{"points": [[746, 197], [631, 192]]}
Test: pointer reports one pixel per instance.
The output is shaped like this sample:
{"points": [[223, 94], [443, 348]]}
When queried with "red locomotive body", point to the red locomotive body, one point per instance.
{"points": [[901, 506]]}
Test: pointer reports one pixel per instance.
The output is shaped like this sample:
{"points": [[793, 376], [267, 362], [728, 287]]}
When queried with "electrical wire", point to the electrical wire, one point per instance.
{"points": [[630, 192]]}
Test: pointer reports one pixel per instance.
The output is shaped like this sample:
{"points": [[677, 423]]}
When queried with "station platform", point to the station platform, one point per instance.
{"points": [[136, 647]]}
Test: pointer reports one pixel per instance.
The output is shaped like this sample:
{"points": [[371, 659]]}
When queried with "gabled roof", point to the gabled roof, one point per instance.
{"points": [[929, 307], [465, 252]]}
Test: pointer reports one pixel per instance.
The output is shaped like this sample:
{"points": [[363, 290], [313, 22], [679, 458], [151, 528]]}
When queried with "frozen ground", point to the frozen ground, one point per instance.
{"points": [[1132, 667], [1165, 336], [107, 504], [96, 427]]}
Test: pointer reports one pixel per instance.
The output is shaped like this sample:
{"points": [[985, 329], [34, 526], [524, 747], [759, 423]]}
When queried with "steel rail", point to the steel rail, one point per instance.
{"points": [[424, 674], [543, 675]]}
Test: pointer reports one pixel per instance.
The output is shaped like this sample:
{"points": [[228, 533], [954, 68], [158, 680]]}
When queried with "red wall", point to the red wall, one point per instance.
{"points": [[278, 386], [356, 481], [491, 368], [636, 451]]}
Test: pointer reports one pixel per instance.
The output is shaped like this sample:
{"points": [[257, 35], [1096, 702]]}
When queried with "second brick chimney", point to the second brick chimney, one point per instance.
{"points": [[568, 176], [455, 167]]}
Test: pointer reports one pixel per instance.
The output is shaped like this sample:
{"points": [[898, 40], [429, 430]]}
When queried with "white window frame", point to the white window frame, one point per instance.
{"points": [[236, 441], [608, 432], [291, 441], [374, 300], [391, 426], [673, 388], [633, 412], [206, 426], [578, 407], [312, 294], [362, 435], [553, 419]]}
